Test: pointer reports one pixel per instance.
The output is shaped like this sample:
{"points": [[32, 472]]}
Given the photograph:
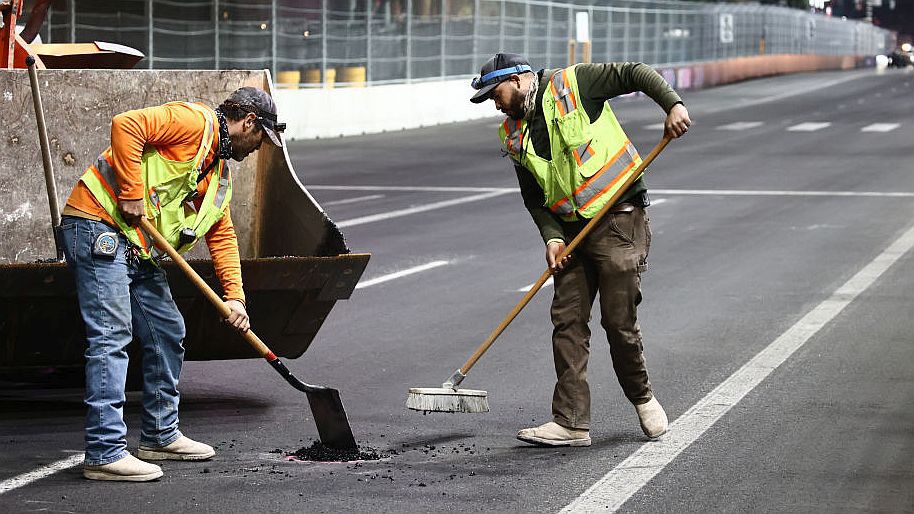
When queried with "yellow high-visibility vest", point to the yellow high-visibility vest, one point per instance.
{"points": [[590, 161], [167, 186]]}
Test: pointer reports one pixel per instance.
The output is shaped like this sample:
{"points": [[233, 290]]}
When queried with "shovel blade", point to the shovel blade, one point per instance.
{"points": [[330, 418]]}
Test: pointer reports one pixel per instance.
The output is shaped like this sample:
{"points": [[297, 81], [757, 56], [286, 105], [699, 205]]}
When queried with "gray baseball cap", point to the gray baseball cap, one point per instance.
{"points": [[257, 101]]}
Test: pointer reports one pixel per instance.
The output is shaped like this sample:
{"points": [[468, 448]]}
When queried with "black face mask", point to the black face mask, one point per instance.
{"points": [[225, 143]]}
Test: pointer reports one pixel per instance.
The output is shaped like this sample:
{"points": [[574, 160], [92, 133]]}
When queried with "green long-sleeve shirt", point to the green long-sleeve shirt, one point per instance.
{"points": [[597, 83]]}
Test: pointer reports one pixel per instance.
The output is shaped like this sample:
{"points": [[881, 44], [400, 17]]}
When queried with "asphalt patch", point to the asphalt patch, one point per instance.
{"points": [[318, 452]]}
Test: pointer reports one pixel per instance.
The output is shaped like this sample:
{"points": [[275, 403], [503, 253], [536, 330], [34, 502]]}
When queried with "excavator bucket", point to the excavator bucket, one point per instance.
{"points": [[295, 261]]}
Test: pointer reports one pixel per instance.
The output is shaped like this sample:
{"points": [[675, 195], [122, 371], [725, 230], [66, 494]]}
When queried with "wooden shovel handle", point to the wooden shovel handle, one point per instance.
{"points": [[568, 249], [204, 288]]}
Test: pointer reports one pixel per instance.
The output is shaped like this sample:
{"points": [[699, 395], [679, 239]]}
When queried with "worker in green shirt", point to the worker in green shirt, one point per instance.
{"points": [[568, 150]]}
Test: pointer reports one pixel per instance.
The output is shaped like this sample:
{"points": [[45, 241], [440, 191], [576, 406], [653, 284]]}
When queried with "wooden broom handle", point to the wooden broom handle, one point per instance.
{"points": [[568, 249], [204, 288]]}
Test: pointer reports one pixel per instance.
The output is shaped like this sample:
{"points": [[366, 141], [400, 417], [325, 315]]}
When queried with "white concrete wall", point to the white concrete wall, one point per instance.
{"points": [[346, 111]]}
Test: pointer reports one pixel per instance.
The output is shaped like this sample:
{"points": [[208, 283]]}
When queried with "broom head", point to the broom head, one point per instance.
{"points": [[446, 399]]}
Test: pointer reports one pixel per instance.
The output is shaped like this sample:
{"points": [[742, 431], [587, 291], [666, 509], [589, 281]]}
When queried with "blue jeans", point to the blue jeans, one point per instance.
{"points": [[120, 298]]}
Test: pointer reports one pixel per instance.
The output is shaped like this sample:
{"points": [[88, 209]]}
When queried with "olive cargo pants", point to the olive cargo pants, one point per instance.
{"points": [[610, 261]]}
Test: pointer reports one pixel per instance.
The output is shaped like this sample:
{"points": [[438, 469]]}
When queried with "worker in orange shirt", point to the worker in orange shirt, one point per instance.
{"points": [[169, 164]]}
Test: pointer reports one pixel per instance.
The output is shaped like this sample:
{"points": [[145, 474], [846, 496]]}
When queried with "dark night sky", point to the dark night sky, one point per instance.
{"points": [[900, 19]]}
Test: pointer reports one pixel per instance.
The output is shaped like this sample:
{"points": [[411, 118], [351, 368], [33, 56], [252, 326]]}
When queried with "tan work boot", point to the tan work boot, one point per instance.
{"points": [[183, 448], [653, 418], [128, 469], [553, 434]]}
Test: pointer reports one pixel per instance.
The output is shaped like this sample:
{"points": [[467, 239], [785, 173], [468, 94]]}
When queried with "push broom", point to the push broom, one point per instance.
{"points": [[448, 398]]}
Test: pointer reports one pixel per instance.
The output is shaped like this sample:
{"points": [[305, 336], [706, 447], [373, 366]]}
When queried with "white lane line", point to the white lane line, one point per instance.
{"points": [[629, 476], [741, 125], [809, 126], [400, 274], [546, 284], [354, 200], [657, 201], [749, 192], [880, 127], [692, 192], [429, 189], [32, 476], [654, 126], [422, 208]]}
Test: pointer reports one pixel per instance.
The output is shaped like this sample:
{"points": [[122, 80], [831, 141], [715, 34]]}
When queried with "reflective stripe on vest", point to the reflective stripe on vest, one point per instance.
{"points": [[608, 176], [564, 96], [562, 207], [583, 153], [514, 138], [223, 184]]}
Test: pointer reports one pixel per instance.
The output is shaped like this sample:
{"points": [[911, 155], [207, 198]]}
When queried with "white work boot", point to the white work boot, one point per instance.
{"points": [[128, 469], [553, 434], [653, 418], [183, 448]]}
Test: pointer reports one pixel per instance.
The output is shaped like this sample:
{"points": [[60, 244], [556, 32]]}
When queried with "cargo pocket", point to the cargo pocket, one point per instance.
{"points": [[574, 128]]}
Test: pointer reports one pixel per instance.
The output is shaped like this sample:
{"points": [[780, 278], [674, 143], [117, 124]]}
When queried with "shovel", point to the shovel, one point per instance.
{"points": [[326, 405]]}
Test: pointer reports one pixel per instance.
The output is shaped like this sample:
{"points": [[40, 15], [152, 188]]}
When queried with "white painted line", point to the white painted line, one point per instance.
{"points": [[429, 189], [658, 201], [880, 127], [629, 476], [654, 126], [32, 476], [354, 200], [400, 274], [422, 208], [810, 126], [741, 125], [546, 284], [749, 192]]}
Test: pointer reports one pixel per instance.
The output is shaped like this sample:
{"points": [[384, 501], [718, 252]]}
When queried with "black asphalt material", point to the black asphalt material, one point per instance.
{"points": [[830, 430]]}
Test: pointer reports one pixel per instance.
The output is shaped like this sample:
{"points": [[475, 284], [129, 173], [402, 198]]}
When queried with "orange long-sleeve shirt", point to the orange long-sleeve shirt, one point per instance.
{"points": [[175, 130]]}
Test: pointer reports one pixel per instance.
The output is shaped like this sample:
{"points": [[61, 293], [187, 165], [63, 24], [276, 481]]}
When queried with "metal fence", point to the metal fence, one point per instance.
{"points": [[384, 41]]}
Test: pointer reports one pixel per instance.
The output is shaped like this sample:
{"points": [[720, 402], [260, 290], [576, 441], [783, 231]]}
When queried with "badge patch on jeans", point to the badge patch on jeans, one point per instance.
{"points": [[105, 245]]}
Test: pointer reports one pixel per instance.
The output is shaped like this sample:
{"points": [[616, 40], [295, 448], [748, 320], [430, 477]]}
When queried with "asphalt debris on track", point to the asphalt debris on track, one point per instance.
{"points": [[320, 452]]}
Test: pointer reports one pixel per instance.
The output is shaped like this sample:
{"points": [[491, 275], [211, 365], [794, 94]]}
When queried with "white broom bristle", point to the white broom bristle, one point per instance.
{"points": [[444, 399]]}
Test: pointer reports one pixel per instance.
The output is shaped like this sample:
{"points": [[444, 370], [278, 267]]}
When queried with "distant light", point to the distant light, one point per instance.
{"points": [[906, 47], [307, 33], [225, 15], [263, 26]]}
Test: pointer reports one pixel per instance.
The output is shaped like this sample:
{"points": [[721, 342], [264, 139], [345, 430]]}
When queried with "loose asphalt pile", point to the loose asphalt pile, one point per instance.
{"points": [[321, 453]]}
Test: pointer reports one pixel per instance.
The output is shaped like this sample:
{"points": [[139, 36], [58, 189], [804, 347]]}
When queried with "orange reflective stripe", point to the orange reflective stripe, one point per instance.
{"points": [[142, 236], [555, 94], [562, 94], [583, 153], [104, 182], [562, 206], [614, 181], [514, 139], [612, 160]]}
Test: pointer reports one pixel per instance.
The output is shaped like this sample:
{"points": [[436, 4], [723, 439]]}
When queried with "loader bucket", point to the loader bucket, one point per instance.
{"points": [[295, 261]]}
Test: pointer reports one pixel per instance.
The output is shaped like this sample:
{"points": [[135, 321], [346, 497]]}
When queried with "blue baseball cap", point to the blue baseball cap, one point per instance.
{"points": [[495, 71]]}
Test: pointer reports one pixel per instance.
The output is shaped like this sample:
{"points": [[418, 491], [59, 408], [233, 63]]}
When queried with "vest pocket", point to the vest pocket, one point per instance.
{"points": [[173, 189], [590, 157], [574, 128]]}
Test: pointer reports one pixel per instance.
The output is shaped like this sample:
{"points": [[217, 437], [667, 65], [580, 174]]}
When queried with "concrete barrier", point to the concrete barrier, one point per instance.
{"points": [[347, 111]]}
